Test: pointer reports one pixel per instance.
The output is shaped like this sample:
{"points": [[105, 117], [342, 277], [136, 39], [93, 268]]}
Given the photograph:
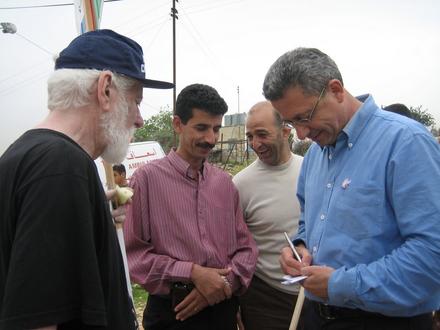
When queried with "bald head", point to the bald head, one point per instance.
{"points": [[266, 107], [266, 134]]}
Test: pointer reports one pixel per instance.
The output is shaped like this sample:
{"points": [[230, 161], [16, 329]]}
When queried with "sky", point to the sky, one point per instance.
{"points": [[389, 48]]}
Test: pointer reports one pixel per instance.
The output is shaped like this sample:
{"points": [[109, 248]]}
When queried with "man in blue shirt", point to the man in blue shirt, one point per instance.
{"points": [[369, 231]]}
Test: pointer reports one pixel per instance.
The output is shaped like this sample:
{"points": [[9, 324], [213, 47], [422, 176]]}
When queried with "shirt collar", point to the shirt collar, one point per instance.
{"points": [[183, 167], [356, 124]]}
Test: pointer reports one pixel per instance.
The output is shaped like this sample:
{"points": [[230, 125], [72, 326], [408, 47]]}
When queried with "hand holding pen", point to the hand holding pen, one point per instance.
{"points": [[292, 247], [315, 278], [301, 258]]}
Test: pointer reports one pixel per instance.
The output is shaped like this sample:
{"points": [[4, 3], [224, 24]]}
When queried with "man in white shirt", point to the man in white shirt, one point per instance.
{"points": [[267, 191]]}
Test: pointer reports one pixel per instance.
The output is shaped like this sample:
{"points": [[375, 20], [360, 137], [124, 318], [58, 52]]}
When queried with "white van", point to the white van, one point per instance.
{"points": [[139, 153]]}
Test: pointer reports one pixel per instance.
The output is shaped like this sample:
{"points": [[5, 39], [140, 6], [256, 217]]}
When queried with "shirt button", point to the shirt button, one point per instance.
{"points": [[350, 145], [329, 185], [330, 156], [315, 249], [322, 217]]}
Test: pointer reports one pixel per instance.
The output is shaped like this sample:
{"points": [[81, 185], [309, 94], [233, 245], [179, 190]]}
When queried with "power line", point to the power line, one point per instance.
{"points": [[32, 80], [141, 15], [203, 45], [39, 6], [147, 26], [46, 6], [155, 36], [25, 81], [208, 6], [28, 69], [35, 44]]}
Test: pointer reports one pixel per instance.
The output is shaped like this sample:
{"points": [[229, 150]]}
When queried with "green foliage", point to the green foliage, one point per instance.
{"points": [[158, 128], [291, 139], [139, 300], [139, 295], [422, 116], [300, 147]]}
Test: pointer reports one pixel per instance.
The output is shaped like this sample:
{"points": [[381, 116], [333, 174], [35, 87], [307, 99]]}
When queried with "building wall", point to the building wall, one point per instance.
{"points": [[232, 140]]}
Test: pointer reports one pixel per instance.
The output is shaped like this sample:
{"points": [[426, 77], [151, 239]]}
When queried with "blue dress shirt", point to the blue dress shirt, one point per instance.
{"points": [[370, 208]]}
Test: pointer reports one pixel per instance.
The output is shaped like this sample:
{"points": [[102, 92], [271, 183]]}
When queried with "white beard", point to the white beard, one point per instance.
{"points": [[116, 134]]}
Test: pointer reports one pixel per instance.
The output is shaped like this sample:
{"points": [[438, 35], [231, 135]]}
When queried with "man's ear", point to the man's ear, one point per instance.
{"points": [[337, 89], [177, 124], [286, 132], [104, 90]]}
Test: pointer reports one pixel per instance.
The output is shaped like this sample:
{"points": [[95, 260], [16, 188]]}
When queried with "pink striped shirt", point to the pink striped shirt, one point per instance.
{"points": [[176, 220]]}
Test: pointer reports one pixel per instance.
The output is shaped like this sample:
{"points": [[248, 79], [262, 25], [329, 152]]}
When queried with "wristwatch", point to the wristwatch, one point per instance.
{"points": [[226, 281]]}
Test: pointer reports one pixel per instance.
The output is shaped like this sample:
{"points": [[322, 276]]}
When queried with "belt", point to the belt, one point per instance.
{"points": [[329, 312], [175, 286]]}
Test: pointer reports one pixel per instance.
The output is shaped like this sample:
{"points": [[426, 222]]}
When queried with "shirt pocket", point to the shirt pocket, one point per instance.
{"points": [[358, 212]]}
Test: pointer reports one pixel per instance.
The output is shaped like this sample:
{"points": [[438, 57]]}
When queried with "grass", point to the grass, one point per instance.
{"points": [[234, 168], [139, 299], [139, 295]]}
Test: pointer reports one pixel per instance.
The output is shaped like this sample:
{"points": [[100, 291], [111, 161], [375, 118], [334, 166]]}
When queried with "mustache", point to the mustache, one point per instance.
{"points": [[205, 145]]}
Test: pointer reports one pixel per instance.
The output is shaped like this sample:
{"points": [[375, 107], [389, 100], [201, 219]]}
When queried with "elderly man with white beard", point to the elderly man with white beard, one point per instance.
{"points": [[60, 264]]}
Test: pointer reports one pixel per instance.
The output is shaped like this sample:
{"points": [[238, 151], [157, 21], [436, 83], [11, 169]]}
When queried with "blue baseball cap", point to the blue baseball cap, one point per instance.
{"points": [[107, 50]]}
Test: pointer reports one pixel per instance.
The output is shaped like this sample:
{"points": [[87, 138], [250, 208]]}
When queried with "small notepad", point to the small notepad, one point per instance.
{"points": [[289, 280]]}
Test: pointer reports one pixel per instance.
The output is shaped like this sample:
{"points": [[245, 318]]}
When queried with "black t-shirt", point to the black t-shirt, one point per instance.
{"points": [[60, 261]]}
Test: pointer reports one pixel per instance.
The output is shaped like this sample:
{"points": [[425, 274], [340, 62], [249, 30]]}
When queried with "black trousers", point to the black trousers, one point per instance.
{"points": [[265, 308], [318, 317], [158, 315]]}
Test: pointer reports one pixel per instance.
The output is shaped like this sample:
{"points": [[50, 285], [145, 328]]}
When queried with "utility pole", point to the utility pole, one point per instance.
{"points": [[238, 99], [174, 15]]}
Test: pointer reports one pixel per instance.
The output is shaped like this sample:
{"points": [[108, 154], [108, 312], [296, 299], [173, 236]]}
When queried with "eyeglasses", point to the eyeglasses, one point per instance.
{"points": [[292, 123]]}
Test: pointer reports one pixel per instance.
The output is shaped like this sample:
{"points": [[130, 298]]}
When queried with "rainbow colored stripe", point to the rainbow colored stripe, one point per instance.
{"points": [[88, 14]]}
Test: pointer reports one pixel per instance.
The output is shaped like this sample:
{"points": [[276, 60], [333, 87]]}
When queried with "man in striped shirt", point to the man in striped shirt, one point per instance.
{"points": [[186, 240]]}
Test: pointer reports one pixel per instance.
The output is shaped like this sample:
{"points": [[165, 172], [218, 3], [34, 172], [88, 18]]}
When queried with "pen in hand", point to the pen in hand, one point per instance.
{"points": [[292, 247]]}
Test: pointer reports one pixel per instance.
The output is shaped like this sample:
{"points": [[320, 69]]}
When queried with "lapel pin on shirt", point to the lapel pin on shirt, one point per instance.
{"points": [[345, 183]]}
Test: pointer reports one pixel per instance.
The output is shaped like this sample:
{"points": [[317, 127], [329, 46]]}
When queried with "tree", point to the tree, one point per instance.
{"points": [[300, 147], [422, 116], [435, 131], [158, 128]]}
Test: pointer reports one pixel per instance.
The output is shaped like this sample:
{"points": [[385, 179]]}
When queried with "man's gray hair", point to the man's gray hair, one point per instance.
{"points": [[308, 68], [72, 88]]}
